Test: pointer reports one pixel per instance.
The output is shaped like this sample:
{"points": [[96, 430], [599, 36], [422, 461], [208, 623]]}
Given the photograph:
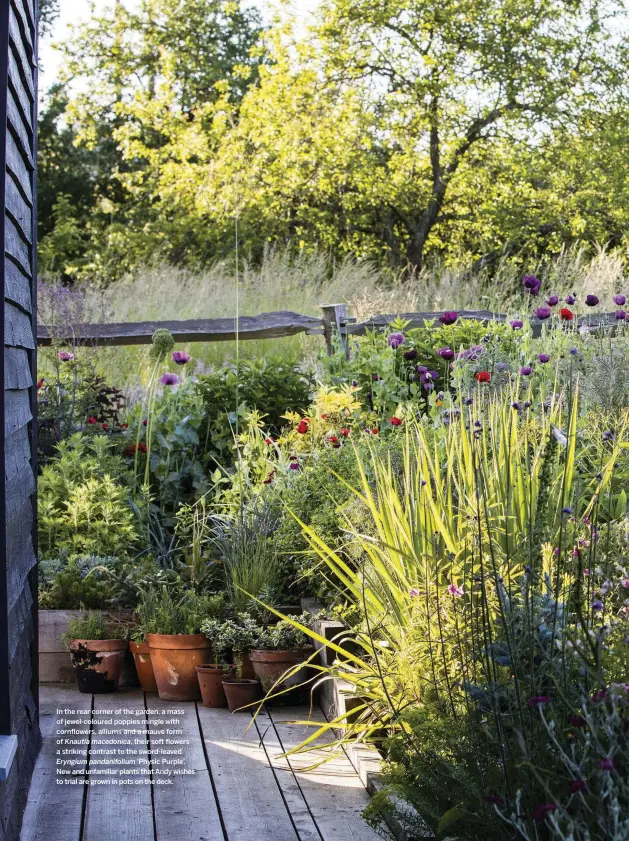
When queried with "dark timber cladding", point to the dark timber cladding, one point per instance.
{"points": [[18, 579]]}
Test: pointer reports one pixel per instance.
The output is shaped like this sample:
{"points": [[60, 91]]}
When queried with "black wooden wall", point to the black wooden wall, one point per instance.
{"points": [[18, 581]]}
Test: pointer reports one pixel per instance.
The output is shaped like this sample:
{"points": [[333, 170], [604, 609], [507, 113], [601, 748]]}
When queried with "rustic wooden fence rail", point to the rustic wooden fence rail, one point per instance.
{"points": [[273, 325]]}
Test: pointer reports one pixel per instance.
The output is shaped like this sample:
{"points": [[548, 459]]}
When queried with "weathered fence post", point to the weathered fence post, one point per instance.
{"points": [[334, 321]]}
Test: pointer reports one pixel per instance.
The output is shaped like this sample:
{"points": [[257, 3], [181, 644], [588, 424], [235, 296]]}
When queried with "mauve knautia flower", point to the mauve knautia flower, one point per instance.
{"points": [[180, 357], [395, 340], [542, 811], [552, 300], [531, 284], [544, 358], [455, 591], [606, 764], [169, 379], [543, 313], [516, 324], [65, 356], [577, 786], [591, 301], [449, 317], [538, 700], [620, 300], [445, 353], [526, 370]]}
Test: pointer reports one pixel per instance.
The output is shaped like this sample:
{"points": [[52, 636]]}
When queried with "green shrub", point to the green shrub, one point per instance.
{"points": [[80, 582], [94, 625], [83, 510]]}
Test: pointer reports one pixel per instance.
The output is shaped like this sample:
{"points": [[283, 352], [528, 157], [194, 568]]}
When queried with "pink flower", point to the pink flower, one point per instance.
{"points": [[65, 356], [455, 591]]}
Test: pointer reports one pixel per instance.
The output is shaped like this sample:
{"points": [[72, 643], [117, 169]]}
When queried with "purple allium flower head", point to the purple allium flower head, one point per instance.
{"points": [[526, 370], [606, 764], [543, 313], [591, 301], [577, 786], [597, 605], [538, 700], [180, 357], [455, 591], [449, 317], [516, 324], [531, 284], [395, 340], [169, 379], [410, 354], [544, 358], [65, 356], [620, 300], [570, 299], [552, 300], [542, 811], [445, 353]]}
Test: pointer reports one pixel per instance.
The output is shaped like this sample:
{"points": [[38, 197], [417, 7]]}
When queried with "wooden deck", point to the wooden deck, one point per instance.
{"points": [[241, 790]]}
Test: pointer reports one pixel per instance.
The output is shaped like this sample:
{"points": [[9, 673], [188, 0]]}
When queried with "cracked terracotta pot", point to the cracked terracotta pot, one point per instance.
{"points": [[97, 664], [175, 658], [144, 666]]}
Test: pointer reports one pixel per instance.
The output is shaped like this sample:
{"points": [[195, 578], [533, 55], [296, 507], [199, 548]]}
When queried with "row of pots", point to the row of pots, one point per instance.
{"points": [[176, 667]]}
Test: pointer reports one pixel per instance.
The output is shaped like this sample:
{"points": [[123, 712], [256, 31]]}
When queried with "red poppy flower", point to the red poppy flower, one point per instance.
{"points": [[143, 448], [270, 478], [374, 431], [124, 426], [395, 421], [483, 377], [302, 427], [41, 383], [333, 439], [104, 426], [145, 422], [92, 421], [268, 440], [565, 314], [344, 432], [324, 417], [129, 451]]}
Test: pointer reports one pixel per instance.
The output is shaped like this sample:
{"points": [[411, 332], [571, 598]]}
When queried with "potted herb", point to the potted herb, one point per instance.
{"points": [[172, 624], [237, 635], [97, 646], [278, 657], [211, 675]]}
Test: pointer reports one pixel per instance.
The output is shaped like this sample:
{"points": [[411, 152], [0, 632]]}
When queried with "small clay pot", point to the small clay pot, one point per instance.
{"points": [[211, 679], [270, 668], [97, 664], [241, 693], [144, 666], [175, 658]]}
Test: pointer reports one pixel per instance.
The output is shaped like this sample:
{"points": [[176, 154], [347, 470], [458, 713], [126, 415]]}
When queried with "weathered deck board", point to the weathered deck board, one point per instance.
{"points": [[251, 803], [333, 792], [51, 805], [123, 813], [187, 809], [241, 789]]}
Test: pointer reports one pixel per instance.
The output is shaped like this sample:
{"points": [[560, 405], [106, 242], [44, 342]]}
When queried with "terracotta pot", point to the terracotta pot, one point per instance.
{"points": [[271, 666], [211, 679], [241, 693], [97, 664], [144, 666], [247, 671], [175, 658]]}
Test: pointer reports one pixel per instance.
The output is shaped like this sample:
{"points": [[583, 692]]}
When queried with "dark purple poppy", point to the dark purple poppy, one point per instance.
{"points": [[526, 370], [621, 315], [542, 811], [570, 299], [544, 358], [538, 700], [410, 355], [591, 301], [577, 720], [516, 324], [620, 300], [445, 353], [531, 284], [180, 357], [169, 379], [395, 340], [421, 369], [577, 786], [449, 317], [543, 313], [552, 300]]}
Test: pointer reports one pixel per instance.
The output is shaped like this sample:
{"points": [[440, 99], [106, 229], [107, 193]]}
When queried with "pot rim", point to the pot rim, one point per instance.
{"points": [[256, 653], [177, 641], [212, 667], [242, 681], [100, 645]]}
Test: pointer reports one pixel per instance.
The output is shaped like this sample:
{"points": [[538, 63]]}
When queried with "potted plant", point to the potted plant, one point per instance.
{"points": [[211, 675], [172, 624], [97, 646], [277, 660], [239, 635]]}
